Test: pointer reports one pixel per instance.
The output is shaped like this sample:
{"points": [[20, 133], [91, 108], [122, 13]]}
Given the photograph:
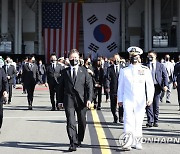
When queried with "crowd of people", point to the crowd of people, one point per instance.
{"points": [[74, 83]]}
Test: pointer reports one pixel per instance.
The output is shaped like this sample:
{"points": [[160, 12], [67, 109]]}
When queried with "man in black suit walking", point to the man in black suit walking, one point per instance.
{"points": [[10, 73], [53, 73], [176, 79], [112, 75], [3, 90], [30, 77], [160, 79], [21, 72], [76, 95]]}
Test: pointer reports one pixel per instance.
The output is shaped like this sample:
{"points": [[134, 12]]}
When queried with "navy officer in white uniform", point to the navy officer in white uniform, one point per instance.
{"points": [[135, 91]]}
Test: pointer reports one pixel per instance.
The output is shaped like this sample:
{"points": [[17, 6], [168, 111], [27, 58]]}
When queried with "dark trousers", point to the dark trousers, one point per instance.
{"points": [[30, 92], [113, 99], [1, 112], [178, 91], [54, 89], [106, 92], [42, 77], [24, 88], [10, 92], [153, 110], [98, 93], [73, 135]]}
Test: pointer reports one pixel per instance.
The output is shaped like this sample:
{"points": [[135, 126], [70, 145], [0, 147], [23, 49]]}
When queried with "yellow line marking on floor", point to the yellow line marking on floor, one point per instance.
{"points": [[104, 145]]}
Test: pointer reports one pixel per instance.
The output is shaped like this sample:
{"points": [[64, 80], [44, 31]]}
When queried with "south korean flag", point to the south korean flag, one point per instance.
{"points": [[101, 23]]}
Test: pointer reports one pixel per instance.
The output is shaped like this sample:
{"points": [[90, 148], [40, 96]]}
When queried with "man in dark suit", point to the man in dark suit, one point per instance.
{"points": [[112, 75], [76, 95], [21, 72], [10, 73], [3, 90], [53, 73], [176, 79], [98, 79], [42, 71], [30, 77], [160, 79]]}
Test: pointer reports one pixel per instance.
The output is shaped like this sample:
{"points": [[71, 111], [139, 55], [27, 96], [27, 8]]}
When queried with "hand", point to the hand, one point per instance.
{"points": [[148, 103], [90, 72], [8, 77], [165, 88], [107, 90], [5, 94], [120, 104], [60, 105], [88, 104], [175, 84], [46, 84]]}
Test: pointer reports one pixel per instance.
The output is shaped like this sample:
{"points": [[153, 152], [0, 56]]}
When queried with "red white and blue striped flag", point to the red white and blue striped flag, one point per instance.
{"points": [[60, 22]]}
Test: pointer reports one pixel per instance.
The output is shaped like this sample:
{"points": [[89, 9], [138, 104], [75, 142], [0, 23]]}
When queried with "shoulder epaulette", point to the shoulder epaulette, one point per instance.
{"points": [[125, 66], [145, 67]]}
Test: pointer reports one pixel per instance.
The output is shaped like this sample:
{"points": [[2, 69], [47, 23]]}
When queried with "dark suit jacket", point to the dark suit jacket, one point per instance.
{"points": [[53, 75], [3, 82], [98, 75], [113, 78], [80, 89], [42, 69], [30, 75], [11, 71], [176, 75], [161, 75]]}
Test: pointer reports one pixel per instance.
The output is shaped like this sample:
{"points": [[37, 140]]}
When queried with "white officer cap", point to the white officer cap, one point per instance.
{"points": [[135, 50], [61, 58]]}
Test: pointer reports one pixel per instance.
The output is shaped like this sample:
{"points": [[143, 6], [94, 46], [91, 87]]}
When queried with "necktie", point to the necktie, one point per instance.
{"points": [[153, 73], [117, 71], [74, 74]]}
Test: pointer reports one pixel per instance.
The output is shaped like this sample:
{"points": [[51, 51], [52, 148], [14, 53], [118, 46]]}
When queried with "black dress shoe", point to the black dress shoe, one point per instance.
{"points": [[79, 144], [115, 121], [121, 120], [98, 108], [95, 106], [149, 124], [168, 102], [53, 109], [29, 107], [72, 147], [155, 124]]}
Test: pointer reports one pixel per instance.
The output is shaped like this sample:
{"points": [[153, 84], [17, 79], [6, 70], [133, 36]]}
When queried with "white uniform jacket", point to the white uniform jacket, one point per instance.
{"points": [[135, 87]]}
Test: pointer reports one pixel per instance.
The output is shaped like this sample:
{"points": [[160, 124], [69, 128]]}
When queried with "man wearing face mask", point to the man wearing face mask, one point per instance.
{"points": [[11, 73], [160, 79], [135, 91], [170, 71], [112, 75], [76, 95], [31, 77], [53, 74]]}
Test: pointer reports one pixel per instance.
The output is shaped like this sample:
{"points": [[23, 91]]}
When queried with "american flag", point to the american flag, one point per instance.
{"points": [[60, 23]]}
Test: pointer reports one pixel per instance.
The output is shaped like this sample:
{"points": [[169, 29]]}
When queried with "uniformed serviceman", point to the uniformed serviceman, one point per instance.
{"points": [[135, 91]]}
